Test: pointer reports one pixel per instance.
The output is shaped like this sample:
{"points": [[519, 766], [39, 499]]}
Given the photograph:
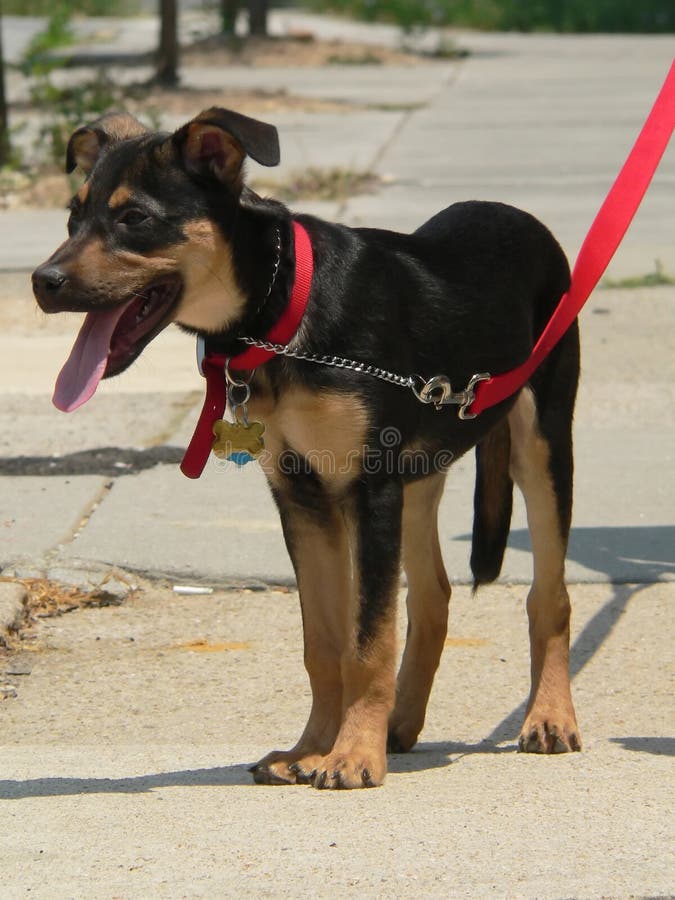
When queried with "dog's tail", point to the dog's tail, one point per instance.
{"points": [[493, 501]]}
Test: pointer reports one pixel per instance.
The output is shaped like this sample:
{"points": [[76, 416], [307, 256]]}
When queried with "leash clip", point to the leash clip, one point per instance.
{"points": [[438, 390], [470, 395]]}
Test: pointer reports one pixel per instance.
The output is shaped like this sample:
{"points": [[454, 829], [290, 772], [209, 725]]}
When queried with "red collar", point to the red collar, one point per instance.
{"points": [[212, 366]]}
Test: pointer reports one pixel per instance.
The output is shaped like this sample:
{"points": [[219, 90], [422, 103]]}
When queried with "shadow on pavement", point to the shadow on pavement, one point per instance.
{"points": [[593, 635], [425, 756], [641, 554], [635, 554], [225, 776], [441, 754], [107, 461], [647, 554], [659, 746]]}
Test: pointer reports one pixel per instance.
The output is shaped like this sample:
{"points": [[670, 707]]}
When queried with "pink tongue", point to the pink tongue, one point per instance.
{"points": [[78, 379]]}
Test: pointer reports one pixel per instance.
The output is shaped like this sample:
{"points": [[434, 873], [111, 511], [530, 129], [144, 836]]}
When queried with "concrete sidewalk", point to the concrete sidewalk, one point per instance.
{"points": [[123, 761], [128, 731]]}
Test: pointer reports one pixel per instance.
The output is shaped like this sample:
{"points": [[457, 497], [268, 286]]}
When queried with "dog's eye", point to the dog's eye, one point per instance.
{"points": [[132, 218]]}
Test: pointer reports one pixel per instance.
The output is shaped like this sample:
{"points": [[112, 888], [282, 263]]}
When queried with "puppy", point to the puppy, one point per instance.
{"points": [[357, 434]]}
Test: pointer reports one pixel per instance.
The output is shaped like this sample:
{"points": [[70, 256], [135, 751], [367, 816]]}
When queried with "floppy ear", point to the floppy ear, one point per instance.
{"points": [[216, 142], [85, 144]]}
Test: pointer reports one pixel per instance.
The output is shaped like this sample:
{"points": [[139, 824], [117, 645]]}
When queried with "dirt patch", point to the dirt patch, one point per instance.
{"points": [[146, 99], [301, 49], [319, 184], [46, 599]]}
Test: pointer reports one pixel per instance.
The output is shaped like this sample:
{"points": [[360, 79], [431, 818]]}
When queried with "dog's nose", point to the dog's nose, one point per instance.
{"points": [[49, 279]]}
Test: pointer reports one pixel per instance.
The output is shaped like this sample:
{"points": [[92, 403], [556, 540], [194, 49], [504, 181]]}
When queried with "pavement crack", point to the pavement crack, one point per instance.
{"points": [[404, 119], [181, 408], [77, 530], [96, 502]]}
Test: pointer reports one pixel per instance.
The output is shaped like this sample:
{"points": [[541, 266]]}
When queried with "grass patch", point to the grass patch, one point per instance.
{"points": [[366, 58], [657, 278]]}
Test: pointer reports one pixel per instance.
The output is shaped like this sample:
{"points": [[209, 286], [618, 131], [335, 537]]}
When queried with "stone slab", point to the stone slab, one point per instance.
{"points": [[52, 441], [222, 528], [38, 514]]}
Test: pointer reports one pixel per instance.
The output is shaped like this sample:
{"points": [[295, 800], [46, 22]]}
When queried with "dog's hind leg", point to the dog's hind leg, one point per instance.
{"points": [[318, 543], [427, 603], [541, 465]]}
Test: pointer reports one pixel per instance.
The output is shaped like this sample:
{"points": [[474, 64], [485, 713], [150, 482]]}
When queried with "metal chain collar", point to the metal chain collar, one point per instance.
{"points": [[337, 362], [436, 390]]}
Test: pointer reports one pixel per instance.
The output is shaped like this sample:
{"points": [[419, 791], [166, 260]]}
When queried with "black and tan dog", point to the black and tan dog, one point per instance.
{"points": [[165, 230]]}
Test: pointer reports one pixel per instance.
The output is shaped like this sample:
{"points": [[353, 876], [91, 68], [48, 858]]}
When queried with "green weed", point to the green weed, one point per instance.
{"points": [[657, 278], [62, 109]]}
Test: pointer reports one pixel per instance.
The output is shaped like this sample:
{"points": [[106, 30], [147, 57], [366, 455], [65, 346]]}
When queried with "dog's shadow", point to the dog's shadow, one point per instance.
{"points": [[425, 756], [441, 754], [220, 776]]}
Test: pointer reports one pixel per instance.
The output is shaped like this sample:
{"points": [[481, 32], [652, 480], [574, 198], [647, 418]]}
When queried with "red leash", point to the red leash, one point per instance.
{"points": [[605, 235], [212, 366]]}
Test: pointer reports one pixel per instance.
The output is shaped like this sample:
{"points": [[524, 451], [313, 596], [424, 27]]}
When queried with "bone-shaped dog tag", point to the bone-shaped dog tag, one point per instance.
{"points": [[237, 441]]}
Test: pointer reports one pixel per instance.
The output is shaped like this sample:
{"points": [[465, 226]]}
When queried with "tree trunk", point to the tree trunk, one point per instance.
{"points": [[228, 16], [167, 57], [5, 149], [257, 17]]}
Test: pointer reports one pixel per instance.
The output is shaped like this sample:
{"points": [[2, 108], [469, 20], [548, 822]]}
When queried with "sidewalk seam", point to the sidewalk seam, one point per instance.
{"points": [[53, 555]]}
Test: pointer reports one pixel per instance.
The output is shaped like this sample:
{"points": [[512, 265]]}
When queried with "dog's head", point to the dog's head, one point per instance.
{"points": [[150, 237]]}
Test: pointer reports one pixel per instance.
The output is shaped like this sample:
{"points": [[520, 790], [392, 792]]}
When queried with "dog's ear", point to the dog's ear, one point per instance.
{"points": [[85, 144], [216, 142]]}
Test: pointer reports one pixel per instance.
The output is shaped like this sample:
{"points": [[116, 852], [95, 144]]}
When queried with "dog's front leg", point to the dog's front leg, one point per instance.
{"points": [[346, 558], [367, 663], [317, 538]]}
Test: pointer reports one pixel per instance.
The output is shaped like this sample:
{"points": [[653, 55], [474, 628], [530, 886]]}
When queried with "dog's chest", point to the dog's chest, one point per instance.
{"points": [[326, 432]]}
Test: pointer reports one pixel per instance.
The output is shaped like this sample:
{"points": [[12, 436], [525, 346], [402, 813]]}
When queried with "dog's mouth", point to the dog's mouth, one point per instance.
{"points": [[111, 339]]}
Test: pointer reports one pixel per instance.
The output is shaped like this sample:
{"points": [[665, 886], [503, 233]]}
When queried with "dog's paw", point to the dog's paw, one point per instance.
{"points": [[402, 735], [344, 771], [285, 767], [549, 735]]}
